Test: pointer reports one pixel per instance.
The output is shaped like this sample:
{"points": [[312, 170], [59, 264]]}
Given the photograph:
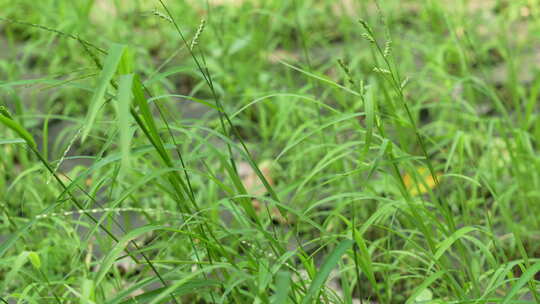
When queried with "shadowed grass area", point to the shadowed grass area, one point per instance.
{"points": [[298, 151]]}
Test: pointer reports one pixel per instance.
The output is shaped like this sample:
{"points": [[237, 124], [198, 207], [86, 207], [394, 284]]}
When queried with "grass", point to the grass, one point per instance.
{"points": [[269, 152]]}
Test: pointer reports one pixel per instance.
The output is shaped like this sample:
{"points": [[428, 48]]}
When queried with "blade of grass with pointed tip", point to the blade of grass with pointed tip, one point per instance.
{"points": [[442, 247], [147, 118], [329, 263], [109, 68], [321, 78], [26, 82], [147, 123], [17, 128]]}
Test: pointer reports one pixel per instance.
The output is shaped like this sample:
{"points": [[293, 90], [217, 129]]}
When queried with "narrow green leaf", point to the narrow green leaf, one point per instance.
{"points": [[109, 68], [320, 78], [27, 82], [245, 201], [147, 123], [126, 65], [427, 282], [384, 146], [442, 247], [12, 141], [123, 106], [525, 277], [370, 117], [283, 286], [148, 119], [329, 263], [155, 99], [364, 258], [45, 138], [17, 128]]}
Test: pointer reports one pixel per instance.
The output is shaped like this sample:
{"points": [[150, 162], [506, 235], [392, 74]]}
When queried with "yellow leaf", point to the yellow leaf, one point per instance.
{"points": [[423, 184]]}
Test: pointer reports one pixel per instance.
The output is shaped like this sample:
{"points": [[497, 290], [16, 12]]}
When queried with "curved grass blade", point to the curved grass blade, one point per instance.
{"points": [[524, 279], [109, 68], [432, 278], [442, 247], [329, 263], [17, 128]]}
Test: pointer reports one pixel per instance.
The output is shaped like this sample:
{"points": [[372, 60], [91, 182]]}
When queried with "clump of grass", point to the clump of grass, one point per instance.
{"points": [[389, 190]]}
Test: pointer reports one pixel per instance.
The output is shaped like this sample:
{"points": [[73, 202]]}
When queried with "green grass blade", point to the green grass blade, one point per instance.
{"points": [[320, 78], [365, 259], [283, 286], [109, 68], [17, 128], [329, 263], [12, 141], [525, 277], [442, 247], [370, 118], [124, 103], [427, 282]]}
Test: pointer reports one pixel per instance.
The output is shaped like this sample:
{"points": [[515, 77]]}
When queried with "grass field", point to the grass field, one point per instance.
{"points": [[302, 151]]}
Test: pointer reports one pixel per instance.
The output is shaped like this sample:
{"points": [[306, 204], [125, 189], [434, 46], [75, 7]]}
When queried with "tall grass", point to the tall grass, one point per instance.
{"points": [[382, 165]]}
